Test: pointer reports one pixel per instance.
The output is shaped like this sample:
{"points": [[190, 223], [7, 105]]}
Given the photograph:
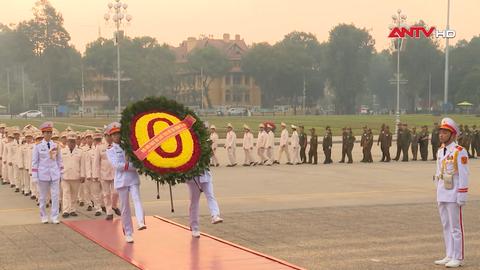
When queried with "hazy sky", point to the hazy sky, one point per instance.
{"points": [[171, 21]]}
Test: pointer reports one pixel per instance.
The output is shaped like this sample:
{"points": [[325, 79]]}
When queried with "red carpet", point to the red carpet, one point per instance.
{"points": [[168, 245]]}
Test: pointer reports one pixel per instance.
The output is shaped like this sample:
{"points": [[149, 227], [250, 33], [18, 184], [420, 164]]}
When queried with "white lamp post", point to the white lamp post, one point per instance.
{"points": [[117, 12]]}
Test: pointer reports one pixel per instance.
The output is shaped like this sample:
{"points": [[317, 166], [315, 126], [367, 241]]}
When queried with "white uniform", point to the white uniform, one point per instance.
{"points": [[46, 170], [2, 141], [452, 159], [261, 142], [214, 139], [270, 143], [126, 181], [295, 141], [230, 145], [5, 175], [204, 182], [248, 147], [284, 145]]}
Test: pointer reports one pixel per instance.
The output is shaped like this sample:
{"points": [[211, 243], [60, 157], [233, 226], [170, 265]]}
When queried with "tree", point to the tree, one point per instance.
{"points": [[211, 63], [465, 71], [260, 62], [55, 68], [380, 72], [348, 57], [148, 66], [418, 60]]}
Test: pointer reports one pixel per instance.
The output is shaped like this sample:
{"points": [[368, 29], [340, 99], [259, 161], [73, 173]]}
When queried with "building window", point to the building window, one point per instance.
{"points": [[228, 95], [237, 79], [228, 80]]}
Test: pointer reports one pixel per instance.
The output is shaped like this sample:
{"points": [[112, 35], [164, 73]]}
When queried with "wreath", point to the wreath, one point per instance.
{"points": [[165, 140]]}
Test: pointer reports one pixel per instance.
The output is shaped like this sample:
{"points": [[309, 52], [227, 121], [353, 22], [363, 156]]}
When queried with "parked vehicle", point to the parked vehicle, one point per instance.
{"points": [[237, 111], [31, 114]]}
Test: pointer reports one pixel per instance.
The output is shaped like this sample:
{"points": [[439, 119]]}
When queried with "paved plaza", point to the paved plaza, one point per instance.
{"points": [[337, 216]]}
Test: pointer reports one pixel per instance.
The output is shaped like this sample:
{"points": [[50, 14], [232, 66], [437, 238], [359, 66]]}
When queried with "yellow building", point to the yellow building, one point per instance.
{"points": [[233, 89]]}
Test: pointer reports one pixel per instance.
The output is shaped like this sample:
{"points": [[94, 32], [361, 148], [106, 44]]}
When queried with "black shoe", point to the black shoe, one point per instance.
{"points": [[229, 165], [73, 214], [289, 163], [253, 163], [217, 165], [65, 215], [33, 197], [341, 161], [117, 211], [89, 208], [81, 204], [104, 209], [12, 185], [109, 217], [245, 165], [17, 190], [98, 213], [27, 194]]}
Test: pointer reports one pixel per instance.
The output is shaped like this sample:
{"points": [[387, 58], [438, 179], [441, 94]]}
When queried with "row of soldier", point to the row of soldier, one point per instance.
{"points": [[87, 174], [294, 145]]}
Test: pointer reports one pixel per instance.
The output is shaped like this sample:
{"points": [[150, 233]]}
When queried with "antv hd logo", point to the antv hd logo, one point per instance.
{"points": [[421, 31]]}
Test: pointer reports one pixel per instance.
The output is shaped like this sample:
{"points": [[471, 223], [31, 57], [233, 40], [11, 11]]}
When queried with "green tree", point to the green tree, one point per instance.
{"points": [[211, 63], [419, 58], [348, 57]]}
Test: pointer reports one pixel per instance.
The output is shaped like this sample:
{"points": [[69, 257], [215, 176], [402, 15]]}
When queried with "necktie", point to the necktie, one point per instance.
{"points": [[48, 145], [444, 151]]}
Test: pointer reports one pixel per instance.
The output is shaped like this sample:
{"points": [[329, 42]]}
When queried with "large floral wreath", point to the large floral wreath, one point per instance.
{"points": [[185, 149]]}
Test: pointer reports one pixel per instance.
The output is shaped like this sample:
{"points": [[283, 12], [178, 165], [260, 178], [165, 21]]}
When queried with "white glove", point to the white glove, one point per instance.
{"points": [[461, 203]]}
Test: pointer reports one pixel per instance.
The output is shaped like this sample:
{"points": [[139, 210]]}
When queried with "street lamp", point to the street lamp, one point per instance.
{"points": [[445, 96], [398, 21], [117, 12]]}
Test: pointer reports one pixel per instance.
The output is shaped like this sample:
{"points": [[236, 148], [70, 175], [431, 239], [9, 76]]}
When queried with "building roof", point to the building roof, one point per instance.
{"points": [[234, 49]]}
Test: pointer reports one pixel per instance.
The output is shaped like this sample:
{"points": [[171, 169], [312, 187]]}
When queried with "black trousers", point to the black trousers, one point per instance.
{"points": [[303, 156], [313, 156]]}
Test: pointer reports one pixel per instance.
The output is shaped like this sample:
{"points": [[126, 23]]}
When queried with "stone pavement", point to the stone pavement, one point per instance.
{"points": [[337, 216]]}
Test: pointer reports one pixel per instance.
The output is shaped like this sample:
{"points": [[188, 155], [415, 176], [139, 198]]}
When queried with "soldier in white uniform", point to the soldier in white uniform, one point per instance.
{"points": [[2, 141], [295, 141], [214, 140], [451, 180], [283, 145], [126, 182], [196, 186], [7, 178], [261, 142], [248, 146], [13, 159], [73, 174], [231, 145], [33, 184], [270, 143], [47, 166]]}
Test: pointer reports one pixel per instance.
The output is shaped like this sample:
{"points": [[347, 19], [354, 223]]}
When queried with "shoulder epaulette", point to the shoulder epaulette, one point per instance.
{"points": [[459, 148]]}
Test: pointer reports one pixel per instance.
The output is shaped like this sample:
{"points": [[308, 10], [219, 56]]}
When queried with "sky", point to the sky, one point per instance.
{"points": [[172, 21]]}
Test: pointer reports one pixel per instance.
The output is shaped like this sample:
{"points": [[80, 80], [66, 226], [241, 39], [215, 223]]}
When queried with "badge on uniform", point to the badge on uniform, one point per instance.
{"points": [[464, 160]]}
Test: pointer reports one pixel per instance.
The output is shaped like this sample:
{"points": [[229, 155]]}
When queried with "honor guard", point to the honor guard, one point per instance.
{"points": [[214, 140], [295, 141], [451, 180], [261, 142], [283, 144], [327, 145], [126, 182], [231, 145], [302, 138], [47, 169], [248, 146]]}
